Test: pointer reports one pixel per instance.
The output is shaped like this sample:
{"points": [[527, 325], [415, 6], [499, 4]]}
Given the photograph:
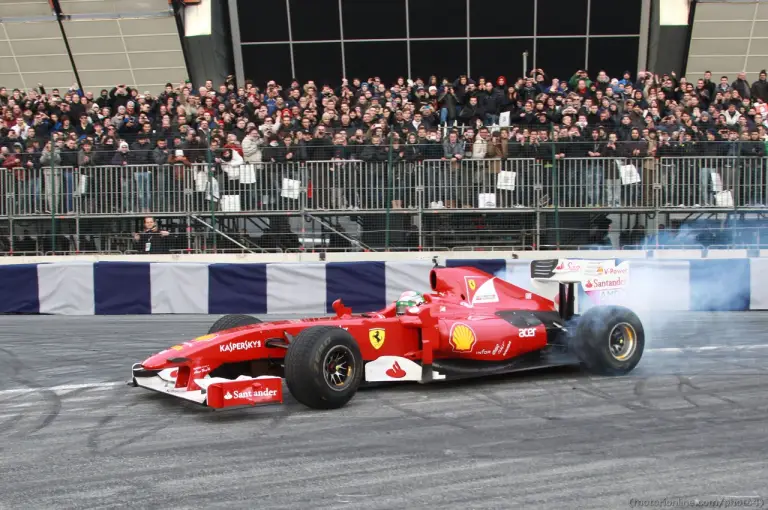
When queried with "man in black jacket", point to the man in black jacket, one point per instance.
{"points": [[491, 103], [151, 240], [760, 88], [753, 171], [69, 162]]}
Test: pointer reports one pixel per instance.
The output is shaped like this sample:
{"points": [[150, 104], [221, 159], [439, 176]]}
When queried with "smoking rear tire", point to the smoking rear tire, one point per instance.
{"points": [[232, 321], [323, 367], [609, 340]]}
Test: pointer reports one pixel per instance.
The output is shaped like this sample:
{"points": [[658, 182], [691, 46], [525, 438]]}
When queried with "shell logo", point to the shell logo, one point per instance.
{"points": [[462, 338], [205, 338]]}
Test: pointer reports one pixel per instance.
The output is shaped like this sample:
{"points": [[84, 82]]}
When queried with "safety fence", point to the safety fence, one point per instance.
{"points": [[376, 186], [118, 288]]}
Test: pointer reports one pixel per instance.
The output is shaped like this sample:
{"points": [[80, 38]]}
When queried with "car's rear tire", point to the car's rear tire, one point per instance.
{"points": [[609, 340], [323, 367], [232, 321]]}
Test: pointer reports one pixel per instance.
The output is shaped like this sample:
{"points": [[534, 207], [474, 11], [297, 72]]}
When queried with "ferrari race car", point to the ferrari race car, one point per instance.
{"points": [[470, 324]]}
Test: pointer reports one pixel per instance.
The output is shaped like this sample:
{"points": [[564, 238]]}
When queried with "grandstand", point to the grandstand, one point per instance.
{"points": [[313, 133]]}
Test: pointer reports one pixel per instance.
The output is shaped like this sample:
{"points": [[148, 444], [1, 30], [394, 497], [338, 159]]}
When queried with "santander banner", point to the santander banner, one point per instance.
{"points": [[608, 282]]}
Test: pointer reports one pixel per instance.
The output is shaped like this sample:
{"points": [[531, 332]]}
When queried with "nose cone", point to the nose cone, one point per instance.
{"points": [[178, 354], [163, 360]]}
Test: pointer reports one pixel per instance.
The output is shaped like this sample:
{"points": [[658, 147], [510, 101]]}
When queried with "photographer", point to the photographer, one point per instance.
{"points": [[151, 240]]}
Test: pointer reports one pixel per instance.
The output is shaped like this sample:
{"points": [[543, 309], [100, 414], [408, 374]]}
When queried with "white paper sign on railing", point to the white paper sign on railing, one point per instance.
{"points": [[506, 180]]}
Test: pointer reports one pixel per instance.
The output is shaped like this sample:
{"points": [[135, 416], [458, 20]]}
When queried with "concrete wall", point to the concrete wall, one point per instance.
{"points": [[728, 38]]}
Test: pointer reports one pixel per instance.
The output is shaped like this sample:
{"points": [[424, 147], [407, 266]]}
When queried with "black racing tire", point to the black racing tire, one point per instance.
{"points": [[232, 321], [308, 360], [609, 340]]}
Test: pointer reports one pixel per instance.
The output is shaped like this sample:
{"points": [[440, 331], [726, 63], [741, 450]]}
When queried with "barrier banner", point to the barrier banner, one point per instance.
{"points": [[122, 288]]}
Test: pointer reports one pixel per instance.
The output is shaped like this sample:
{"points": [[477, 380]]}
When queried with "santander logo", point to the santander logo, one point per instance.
{"points": [[396, 372], [605, 284], [567, 265]]}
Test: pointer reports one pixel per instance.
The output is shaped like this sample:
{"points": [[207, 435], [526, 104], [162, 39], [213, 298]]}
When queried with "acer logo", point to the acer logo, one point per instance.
{"points": [[395, 372], [240, 346], [527, 332]]}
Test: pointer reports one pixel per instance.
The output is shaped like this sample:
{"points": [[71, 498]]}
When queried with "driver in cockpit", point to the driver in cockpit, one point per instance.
{"points": [[408, 299]]}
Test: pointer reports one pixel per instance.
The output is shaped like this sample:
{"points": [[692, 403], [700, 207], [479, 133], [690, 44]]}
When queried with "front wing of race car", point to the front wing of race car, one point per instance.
{"points": [[214, 392]]}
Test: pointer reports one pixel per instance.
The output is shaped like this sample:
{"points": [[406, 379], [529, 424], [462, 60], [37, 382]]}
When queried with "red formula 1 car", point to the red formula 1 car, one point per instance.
{"points": [[471, 324]]}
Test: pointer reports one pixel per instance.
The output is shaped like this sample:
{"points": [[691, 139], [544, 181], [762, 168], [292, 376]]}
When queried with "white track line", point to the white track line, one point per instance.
{"points": [[65, 387], [708, 348], [110, 385]]}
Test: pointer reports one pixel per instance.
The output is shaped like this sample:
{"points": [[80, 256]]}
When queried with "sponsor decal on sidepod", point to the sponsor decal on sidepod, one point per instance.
{"points": [[463, 338], [240, 346]]}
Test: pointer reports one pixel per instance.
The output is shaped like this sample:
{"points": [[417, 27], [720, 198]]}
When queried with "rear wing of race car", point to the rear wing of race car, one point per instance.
{"points": [[596, 276]]}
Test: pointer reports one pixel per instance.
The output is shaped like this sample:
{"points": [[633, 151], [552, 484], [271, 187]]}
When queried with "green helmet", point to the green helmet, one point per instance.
{"points": [[407, 300]]}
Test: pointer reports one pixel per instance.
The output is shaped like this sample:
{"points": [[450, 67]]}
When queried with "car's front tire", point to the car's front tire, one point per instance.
{"points": [[232, 321], [609, 340], [232, 370], [323, 367]]}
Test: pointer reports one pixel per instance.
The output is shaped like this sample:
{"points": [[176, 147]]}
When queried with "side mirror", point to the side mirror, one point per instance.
{"points": [[340, 309]]}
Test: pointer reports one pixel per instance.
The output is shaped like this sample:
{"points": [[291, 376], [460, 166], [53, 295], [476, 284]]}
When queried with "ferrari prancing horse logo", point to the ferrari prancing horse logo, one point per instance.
{"points": [[472, 284], [376, 336]]}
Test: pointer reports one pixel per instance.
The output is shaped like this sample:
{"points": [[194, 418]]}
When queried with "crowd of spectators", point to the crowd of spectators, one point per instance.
{"points": [[634, 116]]}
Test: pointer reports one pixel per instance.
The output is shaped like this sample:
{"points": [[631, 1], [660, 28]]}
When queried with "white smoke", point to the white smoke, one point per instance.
{"points": [[659, 292]]}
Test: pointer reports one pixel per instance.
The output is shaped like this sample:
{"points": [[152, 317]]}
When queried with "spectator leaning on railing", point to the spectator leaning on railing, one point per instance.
{"points": [[137, 153]]}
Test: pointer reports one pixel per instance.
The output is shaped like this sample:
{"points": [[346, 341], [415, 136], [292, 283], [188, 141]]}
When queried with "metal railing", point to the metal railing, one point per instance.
{"points": [[569, 183], [514, 202]]}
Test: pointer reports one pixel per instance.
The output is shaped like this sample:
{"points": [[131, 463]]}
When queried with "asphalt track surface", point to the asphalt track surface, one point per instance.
{"points": [[691, 421]]}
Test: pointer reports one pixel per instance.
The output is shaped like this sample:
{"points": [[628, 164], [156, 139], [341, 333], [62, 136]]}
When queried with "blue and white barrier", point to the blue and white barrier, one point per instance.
{"points": [[121, 288]]}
